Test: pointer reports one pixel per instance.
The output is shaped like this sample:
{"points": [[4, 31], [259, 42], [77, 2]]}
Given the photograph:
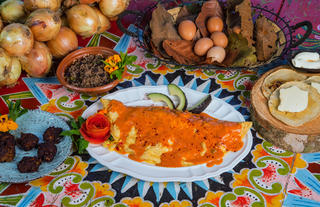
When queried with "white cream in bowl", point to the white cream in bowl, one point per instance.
{"points": [[309, 60]]}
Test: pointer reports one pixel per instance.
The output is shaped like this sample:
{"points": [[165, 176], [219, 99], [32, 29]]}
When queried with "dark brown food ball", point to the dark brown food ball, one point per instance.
{"points": [[7, 147], [47, 151], [27, 141], [29, 164], [52, 134]]}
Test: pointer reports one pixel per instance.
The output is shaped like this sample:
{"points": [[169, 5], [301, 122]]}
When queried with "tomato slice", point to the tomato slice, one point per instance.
{"points": [[96, 129]]}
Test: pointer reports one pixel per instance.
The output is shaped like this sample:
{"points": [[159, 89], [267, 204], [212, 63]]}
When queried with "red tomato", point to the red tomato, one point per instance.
{"points": [[96, 129]]}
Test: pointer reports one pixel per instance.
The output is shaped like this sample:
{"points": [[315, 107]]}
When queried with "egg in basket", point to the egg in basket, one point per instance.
{"points": [[213, 34]]}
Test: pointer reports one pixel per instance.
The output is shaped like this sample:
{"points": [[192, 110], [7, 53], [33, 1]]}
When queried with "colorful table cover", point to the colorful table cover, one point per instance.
{"points": [[267, 176]]}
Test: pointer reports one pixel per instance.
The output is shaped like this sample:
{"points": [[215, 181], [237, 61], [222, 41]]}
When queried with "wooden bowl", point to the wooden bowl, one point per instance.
{"points": [[69, 59], [304, 138]]}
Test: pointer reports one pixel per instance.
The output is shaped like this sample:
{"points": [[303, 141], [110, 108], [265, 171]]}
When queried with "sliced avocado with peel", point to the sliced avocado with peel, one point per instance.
{"points": [[158, 97], [174, 90], [201, 105]]}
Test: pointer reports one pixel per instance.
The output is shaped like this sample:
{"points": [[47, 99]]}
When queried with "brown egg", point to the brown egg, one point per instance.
{"points": [[202, 46], [219, 39], [187, 30], [215, 24]]}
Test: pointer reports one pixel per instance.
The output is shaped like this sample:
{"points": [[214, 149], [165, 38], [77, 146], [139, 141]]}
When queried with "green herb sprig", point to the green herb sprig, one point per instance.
{"points": [[79, 143], [125, 60], [15, 110]]}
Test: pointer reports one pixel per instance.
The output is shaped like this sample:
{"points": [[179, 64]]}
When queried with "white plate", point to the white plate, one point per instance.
{"points": [[136, 96]]}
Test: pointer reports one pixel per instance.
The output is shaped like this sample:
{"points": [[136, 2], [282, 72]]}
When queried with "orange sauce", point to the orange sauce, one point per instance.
{"points": [[187, 132]]}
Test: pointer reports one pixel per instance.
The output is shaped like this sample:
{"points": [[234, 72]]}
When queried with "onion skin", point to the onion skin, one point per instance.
{"points": [[65, 42], [16, 39], [104, 23], [111, 8], [44, 24], [32, 5], [12, 11], [83, 20], [88, 1], [64, 21], [38, 62], [1, 24], [70, 3], [10, 69]]}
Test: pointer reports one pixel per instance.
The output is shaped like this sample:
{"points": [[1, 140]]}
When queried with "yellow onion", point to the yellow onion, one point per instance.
{"points": [[111, 8], [104, 23], [16, 39], [44, 24], [83, 20], [10, 69], [38, 62], [12, 11], [32, 5], [5, 61], [65, 42]]}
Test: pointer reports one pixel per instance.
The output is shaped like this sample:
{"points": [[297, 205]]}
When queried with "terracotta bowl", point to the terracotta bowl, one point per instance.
{"points": [[68, 60]]}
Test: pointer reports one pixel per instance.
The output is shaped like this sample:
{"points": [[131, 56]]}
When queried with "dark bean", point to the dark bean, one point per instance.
{"points": [[87, 72]]}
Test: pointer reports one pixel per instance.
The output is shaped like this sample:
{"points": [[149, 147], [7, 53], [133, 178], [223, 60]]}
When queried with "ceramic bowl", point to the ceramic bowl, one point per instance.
{"points": [[69, 59], [308, 70]]}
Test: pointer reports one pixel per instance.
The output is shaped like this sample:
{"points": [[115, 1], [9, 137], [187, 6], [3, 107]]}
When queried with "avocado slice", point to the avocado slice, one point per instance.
{"points": [[174, 90], [157, 97], [201, 105]]}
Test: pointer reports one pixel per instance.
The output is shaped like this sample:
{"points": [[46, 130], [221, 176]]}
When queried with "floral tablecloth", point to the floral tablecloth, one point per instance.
{"points": [[267, 176]]}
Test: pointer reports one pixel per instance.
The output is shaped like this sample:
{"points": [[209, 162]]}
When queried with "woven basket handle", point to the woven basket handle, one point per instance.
{"points": [[305, 36], [122, 15]]}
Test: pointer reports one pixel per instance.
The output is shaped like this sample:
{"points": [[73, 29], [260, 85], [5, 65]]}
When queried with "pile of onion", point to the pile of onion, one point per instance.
{"points": [[111, 8], [38, 62], [16, 39], [10, 69], [65, 42], [12, 11], [48, 31], [83, 20], [32, 5], [44, 24]]}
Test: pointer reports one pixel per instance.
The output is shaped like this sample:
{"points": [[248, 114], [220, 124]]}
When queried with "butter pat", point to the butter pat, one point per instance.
{"points": [[316, 86], [293, 99]]}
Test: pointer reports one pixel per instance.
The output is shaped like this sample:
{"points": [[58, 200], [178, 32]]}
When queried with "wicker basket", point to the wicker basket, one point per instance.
{"points": [[281, 26]]}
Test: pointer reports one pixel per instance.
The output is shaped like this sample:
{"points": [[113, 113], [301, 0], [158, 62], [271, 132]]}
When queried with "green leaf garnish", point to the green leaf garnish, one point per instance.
{"points": [[79, 143], [82, 146], [15, 110]]}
